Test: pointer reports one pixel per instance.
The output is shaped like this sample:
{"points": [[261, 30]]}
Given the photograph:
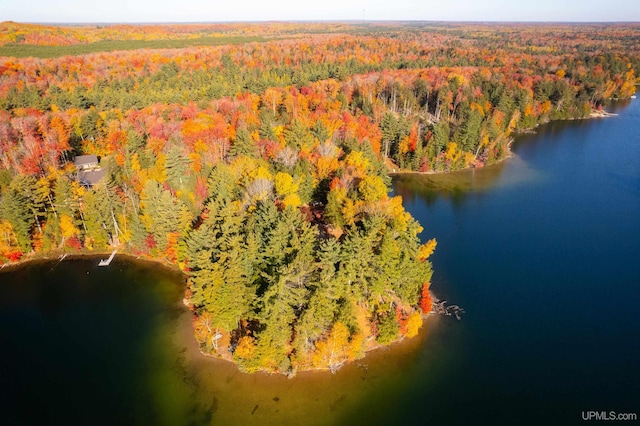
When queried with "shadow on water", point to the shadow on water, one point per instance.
{"points": [[454, 186], [457, 187]]}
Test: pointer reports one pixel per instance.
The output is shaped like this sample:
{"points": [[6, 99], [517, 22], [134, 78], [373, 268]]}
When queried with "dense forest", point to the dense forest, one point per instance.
{"points": [[256, 158]]}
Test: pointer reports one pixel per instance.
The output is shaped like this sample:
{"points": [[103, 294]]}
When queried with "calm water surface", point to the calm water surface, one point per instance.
{"points": [[542, 251]]}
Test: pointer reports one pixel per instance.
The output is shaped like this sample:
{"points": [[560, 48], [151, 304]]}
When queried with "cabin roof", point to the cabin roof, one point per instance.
{"points": [[92, 177], [82, 160]]}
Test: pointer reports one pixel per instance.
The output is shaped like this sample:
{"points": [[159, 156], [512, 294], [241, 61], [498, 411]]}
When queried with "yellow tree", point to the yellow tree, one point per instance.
{"points": [[414, 323], [67, 228], [372, 188], [332, 352], [9, 246], [286, 189], [427, 249], [272, 98]]}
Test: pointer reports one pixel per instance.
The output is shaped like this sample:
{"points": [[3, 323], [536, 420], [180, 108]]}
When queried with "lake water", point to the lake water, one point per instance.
{"points": [[542, 251]]}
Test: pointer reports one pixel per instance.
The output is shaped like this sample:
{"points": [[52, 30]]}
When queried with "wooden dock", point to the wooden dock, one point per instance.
{"points": [[106, 262]]}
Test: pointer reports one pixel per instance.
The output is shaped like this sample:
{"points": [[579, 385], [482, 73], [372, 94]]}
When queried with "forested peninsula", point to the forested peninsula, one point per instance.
{"points": [[255, 157]]}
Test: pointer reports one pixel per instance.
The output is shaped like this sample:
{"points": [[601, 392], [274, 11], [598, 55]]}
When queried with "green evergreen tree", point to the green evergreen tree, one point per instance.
{"points": [[177, 168], [16, 208], [242, 144], [298, 136], [440, 138]]}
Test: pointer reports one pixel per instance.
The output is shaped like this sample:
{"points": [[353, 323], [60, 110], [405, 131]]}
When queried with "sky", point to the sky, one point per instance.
{"points": [[103, 11]]}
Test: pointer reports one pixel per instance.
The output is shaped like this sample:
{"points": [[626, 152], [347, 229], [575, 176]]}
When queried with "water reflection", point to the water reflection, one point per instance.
{"points": [[448, 186], [458, 186], [539, 148]]}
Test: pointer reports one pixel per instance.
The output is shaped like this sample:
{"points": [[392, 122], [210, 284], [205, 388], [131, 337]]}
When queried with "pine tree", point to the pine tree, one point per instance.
{"points": [[177, 167], [33, 197], [326, 291], [14, 208], [222, 183], [440, 137], [242, 144], [298, 136]]}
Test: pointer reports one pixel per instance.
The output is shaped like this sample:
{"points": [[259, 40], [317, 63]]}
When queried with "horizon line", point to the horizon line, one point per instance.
{"points": [[326, 21]]}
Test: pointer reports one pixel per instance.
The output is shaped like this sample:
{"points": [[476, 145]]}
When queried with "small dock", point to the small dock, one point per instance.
{"points": [[106, 262]]}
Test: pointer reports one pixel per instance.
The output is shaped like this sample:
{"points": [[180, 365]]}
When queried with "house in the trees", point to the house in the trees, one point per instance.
{"points": [[89, 170]]}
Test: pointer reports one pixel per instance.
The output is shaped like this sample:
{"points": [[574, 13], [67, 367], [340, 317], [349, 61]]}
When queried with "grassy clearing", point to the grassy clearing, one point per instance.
{"points": [[29, 50]]}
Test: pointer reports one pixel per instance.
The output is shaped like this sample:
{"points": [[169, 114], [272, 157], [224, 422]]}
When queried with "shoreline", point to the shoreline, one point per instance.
{"points": [[60, 256], [427, 319], [529, 131], [432, 173]]}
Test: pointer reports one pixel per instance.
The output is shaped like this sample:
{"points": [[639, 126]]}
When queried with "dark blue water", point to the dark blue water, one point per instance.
{"points": [[542, 251]]}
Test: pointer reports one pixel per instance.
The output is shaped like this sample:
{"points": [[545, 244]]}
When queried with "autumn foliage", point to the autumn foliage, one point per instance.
{"points": [[261, 168], [426, 301]]}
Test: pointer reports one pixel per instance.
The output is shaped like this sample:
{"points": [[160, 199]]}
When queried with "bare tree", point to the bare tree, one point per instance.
{"points": [[287, 157]]}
